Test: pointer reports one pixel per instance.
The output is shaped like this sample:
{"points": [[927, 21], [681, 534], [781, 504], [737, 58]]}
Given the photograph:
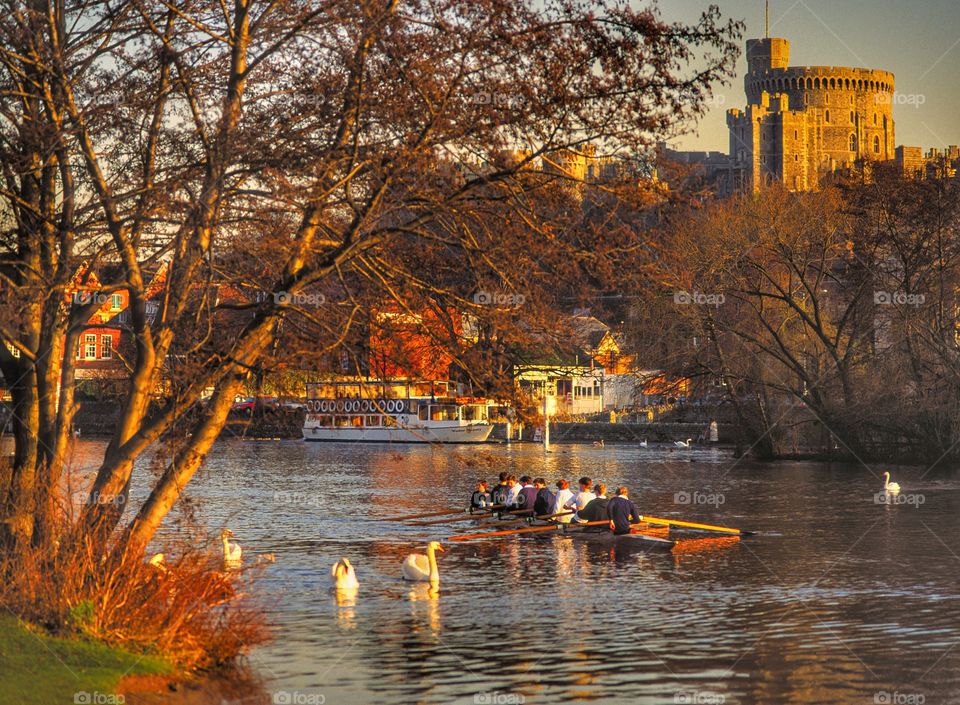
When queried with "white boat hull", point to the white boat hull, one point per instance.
{"points": [[434, 433]]}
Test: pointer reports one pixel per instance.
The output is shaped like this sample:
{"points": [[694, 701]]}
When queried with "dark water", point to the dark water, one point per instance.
{"points": [[839, 599]]}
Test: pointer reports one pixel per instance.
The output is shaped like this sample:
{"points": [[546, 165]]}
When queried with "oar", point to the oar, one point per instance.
{"points": [[495, 534], [553, 516], [470, 517], [694, 525], [507, 522], [428, 514]]}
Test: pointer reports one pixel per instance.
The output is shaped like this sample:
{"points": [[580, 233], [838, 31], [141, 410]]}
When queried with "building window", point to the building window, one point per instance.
{"points": [[116, 301], [796, 157], [853, 143], [876, 145], [853, 117], [106, 346], [90, 347], [796, 134], [874, 118], [826, 116]]}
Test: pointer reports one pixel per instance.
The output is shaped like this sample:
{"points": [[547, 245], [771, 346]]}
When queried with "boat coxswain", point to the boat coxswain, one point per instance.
{"points": [[622, 512], [480, 499]]}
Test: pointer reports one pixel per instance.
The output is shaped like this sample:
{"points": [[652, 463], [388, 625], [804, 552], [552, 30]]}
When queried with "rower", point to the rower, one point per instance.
{"points": [[560, 501], [499, 494], [513, 491], [596, 509], [544, 503], [580, 500], [528, 494], [480, 499], [622, 512]]}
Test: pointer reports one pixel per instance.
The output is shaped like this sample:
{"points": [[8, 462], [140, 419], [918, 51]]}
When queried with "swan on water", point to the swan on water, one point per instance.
{"points": [[343, 576], [232, 553], [598, 444], [643, 443], [422, 568], [891, 487], [681, 444]]}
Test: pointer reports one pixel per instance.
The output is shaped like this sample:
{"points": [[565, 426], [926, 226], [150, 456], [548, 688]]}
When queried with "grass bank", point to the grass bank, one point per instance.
{"points": [[43, 670]]}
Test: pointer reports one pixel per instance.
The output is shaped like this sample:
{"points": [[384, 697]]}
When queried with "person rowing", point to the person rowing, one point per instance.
{"points": [[513, 491], [480, 499], [596, 509], [583, 497], [622, 512], [527, 498], [499, 494], [560, 501], [544, 501]]}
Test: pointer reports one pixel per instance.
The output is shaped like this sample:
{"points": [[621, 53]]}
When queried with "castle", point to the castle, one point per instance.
{"points": [[801, 122], [804, 122]]}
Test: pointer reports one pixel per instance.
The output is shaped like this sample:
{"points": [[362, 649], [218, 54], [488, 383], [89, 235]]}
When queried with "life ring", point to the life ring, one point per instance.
{"points": [[321, 406], [339, 405], [401, 406], [355, 405], [391, 406], [364, 405]]}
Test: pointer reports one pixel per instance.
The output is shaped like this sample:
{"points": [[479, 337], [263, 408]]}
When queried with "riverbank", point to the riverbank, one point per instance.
{"points": [[44, 670]]}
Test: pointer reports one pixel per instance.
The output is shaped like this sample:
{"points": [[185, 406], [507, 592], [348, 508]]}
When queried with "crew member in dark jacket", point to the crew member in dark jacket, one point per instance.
{"points": [[596, 509], [622, 512], [544, 501], [499, 494]]}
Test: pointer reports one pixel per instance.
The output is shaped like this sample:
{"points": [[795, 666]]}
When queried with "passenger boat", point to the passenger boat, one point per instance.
{"points": [[395, 411]]}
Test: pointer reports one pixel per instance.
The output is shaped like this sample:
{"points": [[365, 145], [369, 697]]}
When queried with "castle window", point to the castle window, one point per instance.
{"points": [[853, 143], [796, 157], [816, 84], [853, 118], [810, 84], [796, 135], [826, 99], [876, 145], [826, 116], [833, 83], [874, 118], [851, 100]]}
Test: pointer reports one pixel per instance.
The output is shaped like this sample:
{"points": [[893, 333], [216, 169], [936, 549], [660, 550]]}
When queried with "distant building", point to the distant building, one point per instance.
{"points": [[913, 161]]}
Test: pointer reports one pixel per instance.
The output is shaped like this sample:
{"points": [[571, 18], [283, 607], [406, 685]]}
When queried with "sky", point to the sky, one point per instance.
{"points": [[917, 40]]}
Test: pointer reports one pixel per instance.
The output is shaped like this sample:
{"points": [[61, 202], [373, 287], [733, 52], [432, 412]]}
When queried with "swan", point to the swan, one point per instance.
{"points": [[422, 568], [598, 444], [343, 576], [681, 444], [643, 443], [232, 552], [891, 487]]}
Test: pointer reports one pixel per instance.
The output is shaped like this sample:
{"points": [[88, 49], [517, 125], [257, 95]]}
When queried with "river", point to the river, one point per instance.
{"points": [[837, 599]]}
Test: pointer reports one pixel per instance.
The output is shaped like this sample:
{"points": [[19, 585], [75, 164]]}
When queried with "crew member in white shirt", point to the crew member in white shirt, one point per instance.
{"points": [[563, 497], [513, 491], [581, 499]]}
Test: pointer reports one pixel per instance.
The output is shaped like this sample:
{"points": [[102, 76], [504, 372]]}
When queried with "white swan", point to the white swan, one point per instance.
{"points": [[890, 487], [343, 576], [232, 552], [681, 444], [643, 443], [422, 568], [598, 444]]}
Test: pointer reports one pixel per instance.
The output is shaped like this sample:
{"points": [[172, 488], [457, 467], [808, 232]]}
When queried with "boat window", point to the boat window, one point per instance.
{"points": [[373, 421], [325, 420], [423, 413], [356, 421], [474, 413], [341, 421], [443, 412], [389, 420]]}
